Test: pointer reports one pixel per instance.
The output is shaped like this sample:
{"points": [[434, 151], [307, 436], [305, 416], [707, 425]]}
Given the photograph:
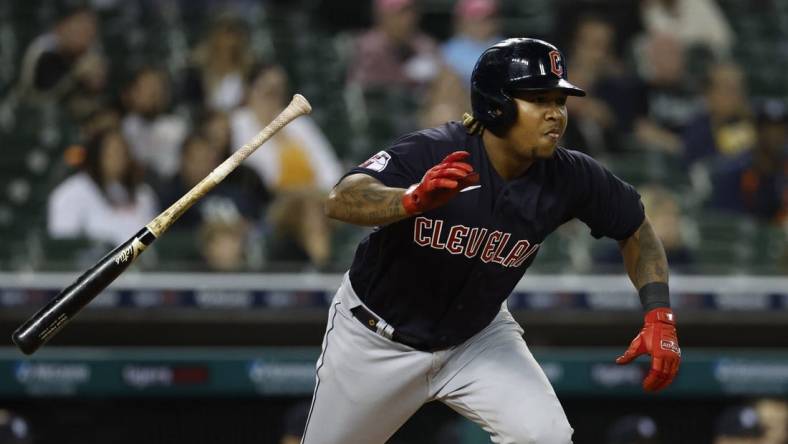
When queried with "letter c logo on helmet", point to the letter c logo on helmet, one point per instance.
{"points": [[519, 64], [555, 66]]}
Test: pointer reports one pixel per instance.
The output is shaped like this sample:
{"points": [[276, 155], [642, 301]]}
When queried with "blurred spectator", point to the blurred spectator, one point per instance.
{"points": [[724, 127], [64, 65], [14, 429], [596, 122], [667, 101], [664, 212], [215, 129], [476, 27], [394, 53], [221, 64], [299, 155], [756, 182], [295, 422], [106, 200], [223, 237], [103, 119], [738, 425], [774, 419], [155, 136], [624, 17], [633, 429], [447, 99], [215, 126], [297, 164], [198, 159], [694, 22]]}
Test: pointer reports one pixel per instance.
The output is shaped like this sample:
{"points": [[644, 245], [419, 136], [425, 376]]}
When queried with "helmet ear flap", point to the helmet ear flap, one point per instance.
{"points": [[497, 112], [508, 111]]}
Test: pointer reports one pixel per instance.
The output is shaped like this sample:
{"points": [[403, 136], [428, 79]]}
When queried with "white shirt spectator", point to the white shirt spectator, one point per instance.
{"points": [[77, 208], [270, 159], [228, 93], [156, 143], [693, 22]]}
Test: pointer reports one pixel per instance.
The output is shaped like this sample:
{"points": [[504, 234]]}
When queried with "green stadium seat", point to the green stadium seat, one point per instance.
{"points": [[770, 248], [177, 251], [736, 243], [641, 166], [71, 253], [554, 255], [344, 240]]}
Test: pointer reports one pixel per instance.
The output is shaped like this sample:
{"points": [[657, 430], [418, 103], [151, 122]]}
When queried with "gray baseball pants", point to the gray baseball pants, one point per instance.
{"points": [[367, 386]]}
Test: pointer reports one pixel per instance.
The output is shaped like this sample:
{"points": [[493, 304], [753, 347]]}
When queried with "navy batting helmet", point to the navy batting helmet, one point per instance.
{"points": [[519, 64]]}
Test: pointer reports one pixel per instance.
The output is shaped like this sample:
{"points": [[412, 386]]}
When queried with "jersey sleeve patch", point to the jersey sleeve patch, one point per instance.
{"points": [[378, 162]]}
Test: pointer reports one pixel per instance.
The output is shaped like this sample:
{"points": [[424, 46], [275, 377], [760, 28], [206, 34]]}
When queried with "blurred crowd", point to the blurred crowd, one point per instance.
{"points": [[762, 421], [669, 108], [759, 421], [756, 421]]}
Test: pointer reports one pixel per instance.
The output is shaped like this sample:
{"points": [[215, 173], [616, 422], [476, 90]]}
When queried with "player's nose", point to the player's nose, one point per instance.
{"points": [[553, 111]]}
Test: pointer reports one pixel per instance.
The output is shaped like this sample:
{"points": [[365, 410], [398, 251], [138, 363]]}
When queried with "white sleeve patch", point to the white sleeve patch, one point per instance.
{"points": [[377, 162]]}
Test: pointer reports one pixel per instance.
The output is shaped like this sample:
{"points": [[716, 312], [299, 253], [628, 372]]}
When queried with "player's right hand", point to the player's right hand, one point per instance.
{"points": [[440, 184]]}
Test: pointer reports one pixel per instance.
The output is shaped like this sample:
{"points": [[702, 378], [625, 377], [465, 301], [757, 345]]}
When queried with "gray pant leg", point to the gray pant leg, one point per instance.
{"points": [[367, 386], [494, 380]]}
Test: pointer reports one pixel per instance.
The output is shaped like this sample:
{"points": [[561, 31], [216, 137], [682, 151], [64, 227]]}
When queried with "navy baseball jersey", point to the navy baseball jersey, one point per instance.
{"points": [[442, 276]]}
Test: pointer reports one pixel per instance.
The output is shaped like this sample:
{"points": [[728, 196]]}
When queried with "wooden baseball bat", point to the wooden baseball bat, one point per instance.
{"points": [[43, 325]]}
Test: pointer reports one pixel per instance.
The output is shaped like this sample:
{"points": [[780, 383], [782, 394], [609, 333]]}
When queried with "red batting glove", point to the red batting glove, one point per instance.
{"points": [[658, 339], [440, 183]]}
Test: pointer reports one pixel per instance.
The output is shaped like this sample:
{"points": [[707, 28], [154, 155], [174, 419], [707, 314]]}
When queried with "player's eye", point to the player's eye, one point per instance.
{"points": [[561, 101]]}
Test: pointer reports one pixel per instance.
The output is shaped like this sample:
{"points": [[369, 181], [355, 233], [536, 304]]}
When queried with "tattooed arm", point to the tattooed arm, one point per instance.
{"points": [[647, 266], [644, 257], [363, 200]]}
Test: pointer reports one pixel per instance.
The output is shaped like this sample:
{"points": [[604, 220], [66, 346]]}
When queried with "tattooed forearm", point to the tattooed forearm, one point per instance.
{"points": [[362, 200], [644, 256]]}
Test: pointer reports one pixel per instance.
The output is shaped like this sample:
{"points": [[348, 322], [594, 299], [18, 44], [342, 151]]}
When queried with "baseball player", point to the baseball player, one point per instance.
{"points": [[461, 210]]}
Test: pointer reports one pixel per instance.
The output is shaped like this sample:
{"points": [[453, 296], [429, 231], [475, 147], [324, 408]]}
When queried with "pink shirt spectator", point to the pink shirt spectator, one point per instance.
{"points": [[394, 52]]}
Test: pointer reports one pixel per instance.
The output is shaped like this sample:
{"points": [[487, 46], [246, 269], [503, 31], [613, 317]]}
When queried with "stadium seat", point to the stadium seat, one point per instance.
{"points": [[554, 255], [728, 242], [177, 251], [641, 166]]}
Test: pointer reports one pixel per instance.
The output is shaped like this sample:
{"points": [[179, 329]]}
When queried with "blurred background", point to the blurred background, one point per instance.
{"points": [[110, 110]]}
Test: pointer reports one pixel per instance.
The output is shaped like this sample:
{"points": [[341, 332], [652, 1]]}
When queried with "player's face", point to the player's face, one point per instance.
{"points": [[541, 121]]}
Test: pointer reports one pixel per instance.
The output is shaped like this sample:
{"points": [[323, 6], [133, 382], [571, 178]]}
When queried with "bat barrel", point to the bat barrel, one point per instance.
{"points": [[38, 329]]}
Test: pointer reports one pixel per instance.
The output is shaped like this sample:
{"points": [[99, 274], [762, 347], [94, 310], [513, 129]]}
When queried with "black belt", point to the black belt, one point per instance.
{"points": [[370, 320]]}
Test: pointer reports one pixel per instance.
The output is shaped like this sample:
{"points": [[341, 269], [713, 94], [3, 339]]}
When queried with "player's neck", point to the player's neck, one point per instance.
{"points": [[508, 163]]}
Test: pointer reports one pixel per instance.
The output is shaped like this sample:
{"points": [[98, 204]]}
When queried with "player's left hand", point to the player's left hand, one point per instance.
{"points": [[657, 338]]}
